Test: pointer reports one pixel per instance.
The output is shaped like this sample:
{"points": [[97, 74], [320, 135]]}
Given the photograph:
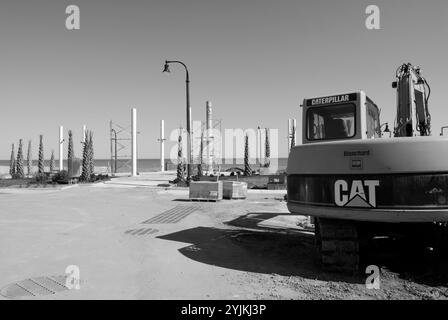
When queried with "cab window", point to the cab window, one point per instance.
{"points": [[331, 122], [373, 121]]}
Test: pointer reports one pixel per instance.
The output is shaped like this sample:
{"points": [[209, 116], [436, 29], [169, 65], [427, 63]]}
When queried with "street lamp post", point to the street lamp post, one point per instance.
{"points": [[116, 154], [187, 81], [386, 130]]}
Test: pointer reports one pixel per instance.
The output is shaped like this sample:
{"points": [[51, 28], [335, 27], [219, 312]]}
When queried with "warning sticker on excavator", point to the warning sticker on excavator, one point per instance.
{"points": [[357, 194]]}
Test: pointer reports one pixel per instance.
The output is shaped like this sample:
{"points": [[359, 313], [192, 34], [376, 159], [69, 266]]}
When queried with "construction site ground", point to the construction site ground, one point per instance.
{"points": [[132, 239]]}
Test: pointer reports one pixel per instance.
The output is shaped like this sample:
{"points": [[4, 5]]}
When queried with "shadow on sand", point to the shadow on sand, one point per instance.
{"points": [[260, 250], [270, 250], [410, 259]]}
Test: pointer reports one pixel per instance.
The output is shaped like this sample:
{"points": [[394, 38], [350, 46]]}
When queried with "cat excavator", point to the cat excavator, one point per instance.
{"points": [[356, 183]]}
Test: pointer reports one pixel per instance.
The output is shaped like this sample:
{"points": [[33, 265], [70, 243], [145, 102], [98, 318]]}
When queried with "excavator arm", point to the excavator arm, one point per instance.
{"points": [[413, 92]]}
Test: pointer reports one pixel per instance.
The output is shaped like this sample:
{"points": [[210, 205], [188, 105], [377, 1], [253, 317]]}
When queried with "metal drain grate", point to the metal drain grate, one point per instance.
{"points": [[32, 287], [173, 215], [141, 232]]}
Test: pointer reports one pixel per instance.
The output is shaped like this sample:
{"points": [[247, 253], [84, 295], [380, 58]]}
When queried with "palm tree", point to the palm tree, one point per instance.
{"points": [[180, 171], [12, 162], [19, 163], [267, 150], [91, 156], [85, 176], [201, 151], [247, 169], [88, 162], [70, 154], [28, 159], [41, 168], [52, 162]]}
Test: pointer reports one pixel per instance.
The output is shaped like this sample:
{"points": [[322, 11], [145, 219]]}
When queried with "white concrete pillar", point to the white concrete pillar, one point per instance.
{"points": [[84, 129], [61, 148], [162, 145], [262, 146], [259, 149], [134, 140], [209, 142]]}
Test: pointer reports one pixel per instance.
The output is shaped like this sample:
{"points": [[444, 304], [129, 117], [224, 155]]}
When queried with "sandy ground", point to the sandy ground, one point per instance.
{"points": [[240, 249]]}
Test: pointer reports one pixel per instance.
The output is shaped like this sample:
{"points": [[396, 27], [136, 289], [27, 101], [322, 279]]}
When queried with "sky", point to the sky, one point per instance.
{"points": [[255, 60]]}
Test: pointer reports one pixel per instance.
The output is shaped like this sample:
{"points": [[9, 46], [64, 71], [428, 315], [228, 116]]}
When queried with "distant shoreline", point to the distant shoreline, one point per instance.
{"points": [[140, 159], [143, 165]]}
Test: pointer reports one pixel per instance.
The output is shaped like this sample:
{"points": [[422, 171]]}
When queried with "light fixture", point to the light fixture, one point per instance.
{"points": [[166, 68]]}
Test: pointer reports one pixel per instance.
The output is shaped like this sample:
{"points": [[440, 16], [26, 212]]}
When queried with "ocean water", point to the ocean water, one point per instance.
{"points": [[151, 165]]}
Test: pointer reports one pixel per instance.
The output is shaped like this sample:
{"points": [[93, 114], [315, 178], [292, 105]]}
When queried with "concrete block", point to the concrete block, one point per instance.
{"points": [[276, 186], [234, 190], [206, 190]]}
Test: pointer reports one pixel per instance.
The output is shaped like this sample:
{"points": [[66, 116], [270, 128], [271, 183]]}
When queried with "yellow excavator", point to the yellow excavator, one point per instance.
{"points": [[355, 182]]}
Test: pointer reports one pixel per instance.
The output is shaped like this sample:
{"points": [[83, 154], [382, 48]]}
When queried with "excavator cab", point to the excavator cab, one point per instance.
{"points": [[340, 117]]}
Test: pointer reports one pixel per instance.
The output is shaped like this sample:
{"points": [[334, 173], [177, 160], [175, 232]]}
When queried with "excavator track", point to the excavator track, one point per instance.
{"points": [[338, 244]]}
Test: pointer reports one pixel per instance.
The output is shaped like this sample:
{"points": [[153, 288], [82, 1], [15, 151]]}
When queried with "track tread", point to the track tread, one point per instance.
{"points": [[338, 245]]}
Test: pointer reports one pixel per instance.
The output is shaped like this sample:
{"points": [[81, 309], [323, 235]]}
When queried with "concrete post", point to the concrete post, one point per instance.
{"points": [[112, 167], [61, 148], [162, 145], [84, 129], [288, 136], [258, 146], [134, 141], [262, 146], [209, 143]]}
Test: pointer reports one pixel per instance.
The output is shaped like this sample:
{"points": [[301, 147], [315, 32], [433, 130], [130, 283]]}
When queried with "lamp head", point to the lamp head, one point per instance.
{"points": [[166, 68]]}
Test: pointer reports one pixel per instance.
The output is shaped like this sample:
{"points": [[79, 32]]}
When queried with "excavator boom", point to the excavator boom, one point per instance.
{"points": [[413, 92]]}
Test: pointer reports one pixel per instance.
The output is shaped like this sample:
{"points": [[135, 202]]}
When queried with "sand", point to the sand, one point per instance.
{"points": [[226, 250]]}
